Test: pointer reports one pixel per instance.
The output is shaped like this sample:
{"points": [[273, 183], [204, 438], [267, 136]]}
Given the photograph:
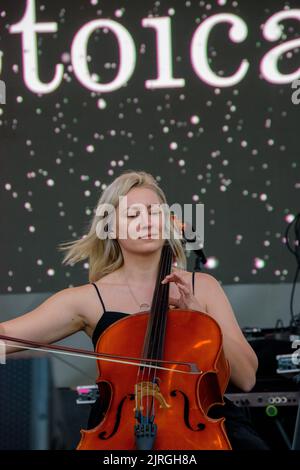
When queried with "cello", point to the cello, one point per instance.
{"points": [[161, 402]]}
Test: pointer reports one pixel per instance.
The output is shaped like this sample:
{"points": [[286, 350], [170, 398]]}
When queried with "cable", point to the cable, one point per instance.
{"points": [[295, 319]]}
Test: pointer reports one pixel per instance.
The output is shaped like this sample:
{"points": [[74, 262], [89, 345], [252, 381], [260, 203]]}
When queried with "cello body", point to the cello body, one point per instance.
{"points": [[180, 401]]}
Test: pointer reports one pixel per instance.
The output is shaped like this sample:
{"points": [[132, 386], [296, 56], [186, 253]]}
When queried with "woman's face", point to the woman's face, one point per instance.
{"points": [[139, 223]]}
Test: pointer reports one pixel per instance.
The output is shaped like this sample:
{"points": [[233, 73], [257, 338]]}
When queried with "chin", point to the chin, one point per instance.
{"points": [[148, 245]]}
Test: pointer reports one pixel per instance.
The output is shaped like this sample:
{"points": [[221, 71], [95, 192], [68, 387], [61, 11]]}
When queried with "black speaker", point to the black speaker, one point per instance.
{"points": [[26, 404]]}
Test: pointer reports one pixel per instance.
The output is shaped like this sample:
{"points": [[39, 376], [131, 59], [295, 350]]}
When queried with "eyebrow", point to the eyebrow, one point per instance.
{"points": [[136, 206]]}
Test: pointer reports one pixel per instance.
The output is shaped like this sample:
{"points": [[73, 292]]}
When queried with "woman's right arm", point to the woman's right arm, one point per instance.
{"points": [[57, 317]]}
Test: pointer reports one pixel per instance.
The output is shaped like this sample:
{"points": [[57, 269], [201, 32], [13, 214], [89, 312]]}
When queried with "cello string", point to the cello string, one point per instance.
{"points": [[164, 302], [165, 262], [141, 371], [158, 333], [150, 351], [150, 356], [155, 317]]}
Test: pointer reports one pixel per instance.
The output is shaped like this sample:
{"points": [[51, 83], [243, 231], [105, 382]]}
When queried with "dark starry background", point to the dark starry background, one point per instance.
{"points": [[234, 149]]}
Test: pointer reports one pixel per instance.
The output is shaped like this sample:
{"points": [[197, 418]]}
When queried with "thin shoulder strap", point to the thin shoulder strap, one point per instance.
{"points": [[104, 309], [193, 282]]}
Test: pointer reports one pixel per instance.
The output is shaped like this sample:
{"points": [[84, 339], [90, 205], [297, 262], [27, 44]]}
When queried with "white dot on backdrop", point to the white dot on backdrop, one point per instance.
{"points": [[90, 148], [173, 145], [212, 262], [101, 103], [66, 57], [259, 263], [289, 218], [195, 119], [268, 123], [50, 272], [84, 177], [119, 13], [50, 182]]}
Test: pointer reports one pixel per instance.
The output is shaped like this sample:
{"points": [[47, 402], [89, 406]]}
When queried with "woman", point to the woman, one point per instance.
{"points": [[128, 266]]}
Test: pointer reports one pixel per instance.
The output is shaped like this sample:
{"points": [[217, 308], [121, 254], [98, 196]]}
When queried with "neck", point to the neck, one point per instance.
{"points": [[141, 267]]}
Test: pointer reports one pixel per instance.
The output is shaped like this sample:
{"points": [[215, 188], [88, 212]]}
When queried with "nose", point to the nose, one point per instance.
{"points": [[145, 222]]}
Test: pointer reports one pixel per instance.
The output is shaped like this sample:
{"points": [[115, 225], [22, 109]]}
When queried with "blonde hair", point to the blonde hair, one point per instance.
{"points": [[105, 255]]}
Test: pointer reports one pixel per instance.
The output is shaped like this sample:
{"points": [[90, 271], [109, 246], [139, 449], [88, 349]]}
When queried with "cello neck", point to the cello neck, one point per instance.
{"points": [[156, 329]]}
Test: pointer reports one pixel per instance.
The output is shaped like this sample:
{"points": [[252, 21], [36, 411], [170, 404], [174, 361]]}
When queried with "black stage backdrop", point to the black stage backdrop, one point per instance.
{"points": [[80, 110]]}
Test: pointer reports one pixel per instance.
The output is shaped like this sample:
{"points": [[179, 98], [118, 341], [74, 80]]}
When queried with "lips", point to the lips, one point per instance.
{"points": [[147, 237]]}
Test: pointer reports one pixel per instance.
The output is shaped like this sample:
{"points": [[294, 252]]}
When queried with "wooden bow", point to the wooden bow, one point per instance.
{"points": [[33, 345]]}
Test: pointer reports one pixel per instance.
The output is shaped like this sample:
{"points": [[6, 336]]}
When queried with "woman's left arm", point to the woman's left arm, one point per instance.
{"points": [[242, 358]]}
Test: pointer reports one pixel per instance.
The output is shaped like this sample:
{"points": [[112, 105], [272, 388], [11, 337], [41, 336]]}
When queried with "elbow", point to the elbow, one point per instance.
{"points": [[244, 381], [248, 381], [246, 378], [248, 385]]}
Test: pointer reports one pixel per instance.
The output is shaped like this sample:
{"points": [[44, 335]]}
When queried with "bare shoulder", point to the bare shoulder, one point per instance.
{"points": [[201, 279], [78, 297], [208, 280], [87, 300], [207, 287], [82, 296], [204, 285]]}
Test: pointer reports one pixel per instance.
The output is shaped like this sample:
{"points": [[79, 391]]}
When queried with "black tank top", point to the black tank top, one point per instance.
{"points": [[238, 426], [110, 317]]}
